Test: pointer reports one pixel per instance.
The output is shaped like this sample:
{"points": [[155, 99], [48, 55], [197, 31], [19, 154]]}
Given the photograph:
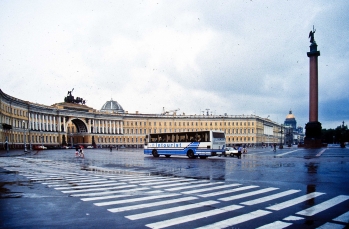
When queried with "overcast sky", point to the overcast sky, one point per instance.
{"points": [[235, 57]]}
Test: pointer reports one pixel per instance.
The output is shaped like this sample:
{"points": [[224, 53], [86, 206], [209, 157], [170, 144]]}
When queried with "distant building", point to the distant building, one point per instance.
{"points": [[293, 134]]}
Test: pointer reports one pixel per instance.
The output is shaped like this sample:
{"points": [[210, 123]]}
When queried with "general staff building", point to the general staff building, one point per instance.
{"points": [[72, 123]]}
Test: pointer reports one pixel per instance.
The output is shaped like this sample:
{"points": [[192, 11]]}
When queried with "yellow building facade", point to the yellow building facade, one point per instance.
{"points": [[23, 123]]}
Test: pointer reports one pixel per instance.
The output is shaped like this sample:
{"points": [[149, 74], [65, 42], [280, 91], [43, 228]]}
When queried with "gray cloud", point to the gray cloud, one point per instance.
{"points": [[238, 57]]}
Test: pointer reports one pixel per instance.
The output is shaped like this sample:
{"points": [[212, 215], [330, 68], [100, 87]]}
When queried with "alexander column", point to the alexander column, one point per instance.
{"points": [[313, 127]]}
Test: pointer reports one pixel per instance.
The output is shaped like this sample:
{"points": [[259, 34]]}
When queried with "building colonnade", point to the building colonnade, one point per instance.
{"points": [[57, 125]]}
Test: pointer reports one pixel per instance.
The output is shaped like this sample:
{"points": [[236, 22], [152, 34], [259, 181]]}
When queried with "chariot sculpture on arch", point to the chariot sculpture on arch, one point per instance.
{"points": [[70, 98]]}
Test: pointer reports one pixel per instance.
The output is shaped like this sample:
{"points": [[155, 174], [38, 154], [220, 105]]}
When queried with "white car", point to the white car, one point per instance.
{"points": [[89, 147], [42, 147], [231, 151]]}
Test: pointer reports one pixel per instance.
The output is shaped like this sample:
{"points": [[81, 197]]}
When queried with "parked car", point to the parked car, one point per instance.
{"points": [[41, 147], [231, 151], [89, 147]]}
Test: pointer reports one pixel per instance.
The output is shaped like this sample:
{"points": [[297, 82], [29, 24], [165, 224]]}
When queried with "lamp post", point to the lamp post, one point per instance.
{"points": [[42, 144], [6, 145], [24, 137], [30, 142], [281, 144]]}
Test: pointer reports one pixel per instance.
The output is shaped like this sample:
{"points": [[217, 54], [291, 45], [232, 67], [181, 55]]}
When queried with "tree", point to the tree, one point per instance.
{"points": [[339, 135]]}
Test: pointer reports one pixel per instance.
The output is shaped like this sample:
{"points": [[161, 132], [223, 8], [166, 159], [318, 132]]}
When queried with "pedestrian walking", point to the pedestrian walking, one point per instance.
{"points": [[239, 152]]}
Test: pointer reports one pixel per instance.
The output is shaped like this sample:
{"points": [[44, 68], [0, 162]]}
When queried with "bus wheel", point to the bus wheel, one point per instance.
{"points": [[167, 156], [203, 157], [155, 153], [190, 154]]}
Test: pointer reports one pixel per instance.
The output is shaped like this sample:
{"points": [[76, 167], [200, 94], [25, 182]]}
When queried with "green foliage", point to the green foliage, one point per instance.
{"points": [[336, 136]]}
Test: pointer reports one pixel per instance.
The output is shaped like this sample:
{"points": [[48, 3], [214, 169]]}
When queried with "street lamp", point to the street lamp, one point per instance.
{"points": [[281, 144], [25, 136], [42, 144], [268, 133]]}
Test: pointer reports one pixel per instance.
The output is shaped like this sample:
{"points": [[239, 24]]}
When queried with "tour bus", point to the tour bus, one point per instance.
{"points": [[192, 144]]}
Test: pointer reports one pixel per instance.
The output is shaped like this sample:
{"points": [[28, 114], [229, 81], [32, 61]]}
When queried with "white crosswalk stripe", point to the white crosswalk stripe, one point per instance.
{"points": [[193, 186], [228, 191], [270, 197], [344, 218], [123, 190], [89, 186], [93, 189], [323, 206], [192, 217], [153, 204], [329, 225], [134, 200], [210, 189], [237, 219], [229, 198], [295, 201], [275, 225], [104, 197], [178, 184]]}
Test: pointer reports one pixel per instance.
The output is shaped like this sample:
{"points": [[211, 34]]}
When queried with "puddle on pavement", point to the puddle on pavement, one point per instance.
{"points": [[6, 193]]}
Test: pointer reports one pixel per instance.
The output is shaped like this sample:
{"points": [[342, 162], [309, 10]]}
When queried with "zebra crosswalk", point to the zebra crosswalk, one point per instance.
{"points": [[163, 202]]}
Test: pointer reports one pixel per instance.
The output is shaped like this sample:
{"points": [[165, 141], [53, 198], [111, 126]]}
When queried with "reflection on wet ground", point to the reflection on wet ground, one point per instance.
{"points": [[5, 184], [294, 165]]}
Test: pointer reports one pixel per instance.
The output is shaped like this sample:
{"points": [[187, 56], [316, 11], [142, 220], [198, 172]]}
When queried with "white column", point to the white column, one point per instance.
{"points": [[50, 122], [93, 125], [121, 128], [36, 122], [99, 126], [39, 121], [29, 121], [117, 127], [89, 126], [54, 123], [46, 122], [114, 127], [64, 127], [59, 123]]}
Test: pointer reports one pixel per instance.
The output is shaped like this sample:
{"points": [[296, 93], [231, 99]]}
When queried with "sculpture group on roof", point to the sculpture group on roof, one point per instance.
{"points": [[70, 98]]}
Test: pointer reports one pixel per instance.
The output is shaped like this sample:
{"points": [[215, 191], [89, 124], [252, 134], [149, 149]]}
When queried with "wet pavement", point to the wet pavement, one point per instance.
{"points": [[27, 203]]}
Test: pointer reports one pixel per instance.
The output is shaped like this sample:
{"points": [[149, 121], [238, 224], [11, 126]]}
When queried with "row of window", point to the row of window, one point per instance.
{"points": [[34, 139], [129, 123], [37, 139], [154, 131], [14, 111], [140, 140]]}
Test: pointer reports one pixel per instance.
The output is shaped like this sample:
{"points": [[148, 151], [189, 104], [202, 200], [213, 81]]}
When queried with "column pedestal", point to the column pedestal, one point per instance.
{"points": [[313, 135]]}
